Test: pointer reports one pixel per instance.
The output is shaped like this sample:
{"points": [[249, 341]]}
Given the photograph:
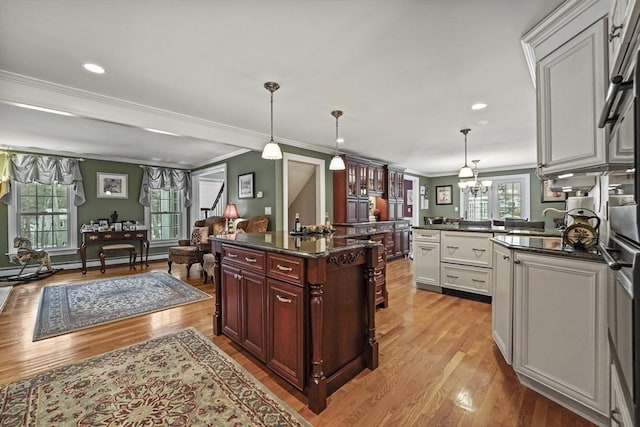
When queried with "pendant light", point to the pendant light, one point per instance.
{"points": [[272, 151], [465, 171], [337, 163]]}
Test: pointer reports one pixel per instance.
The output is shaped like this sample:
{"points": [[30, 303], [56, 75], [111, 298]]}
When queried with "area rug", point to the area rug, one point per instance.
{"points": [[180, 379], [4, 295], [68, 308]]}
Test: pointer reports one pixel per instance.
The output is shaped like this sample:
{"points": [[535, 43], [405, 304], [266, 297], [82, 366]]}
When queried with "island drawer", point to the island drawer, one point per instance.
{"points": [[287, 268], [466, 278], [248, 258], [420, 235], [467, 248]]}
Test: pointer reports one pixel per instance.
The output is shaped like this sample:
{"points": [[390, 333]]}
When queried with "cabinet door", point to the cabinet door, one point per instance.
{"points": [[254, 314], [363, 179], [231, 303], [426, 263], [400, 185], [285, 326], [560, 327], [352, 179], [352, 210], [380, 181], [622, 135], [620, 413], [571, 85], [501, 302], [363, 210]]}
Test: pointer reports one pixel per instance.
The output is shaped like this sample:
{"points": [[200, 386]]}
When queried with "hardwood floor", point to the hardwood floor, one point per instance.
{"points": [[438, 362]]}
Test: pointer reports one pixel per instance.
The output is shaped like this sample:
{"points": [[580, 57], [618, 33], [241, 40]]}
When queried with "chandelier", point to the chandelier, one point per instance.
{"points": [[473, 186]]}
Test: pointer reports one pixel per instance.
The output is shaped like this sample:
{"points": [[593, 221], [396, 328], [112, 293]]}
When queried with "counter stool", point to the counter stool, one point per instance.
{"points": [[106, 249]]}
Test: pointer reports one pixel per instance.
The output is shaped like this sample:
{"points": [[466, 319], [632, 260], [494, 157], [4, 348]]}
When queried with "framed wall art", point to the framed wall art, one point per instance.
{"points": [[551, 196], [245, 186], [112, 186], [443, 195]]}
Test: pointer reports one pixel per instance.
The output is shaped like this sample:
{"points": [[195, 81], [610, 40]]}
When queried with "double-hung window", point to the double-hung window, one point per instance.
{"points": [[44, 214], [508, 196], [166, 215]]}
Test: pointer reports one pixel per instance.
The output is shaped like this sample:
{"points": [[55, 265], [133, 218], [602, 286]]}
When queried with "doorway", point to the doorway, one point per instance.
{"points": [[206, 184], [304, 190]]}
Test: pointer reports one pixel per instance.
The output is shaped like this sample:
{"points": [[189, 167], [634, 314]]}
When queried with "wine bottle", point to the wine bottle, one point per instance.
{"points": [[296, 226]]}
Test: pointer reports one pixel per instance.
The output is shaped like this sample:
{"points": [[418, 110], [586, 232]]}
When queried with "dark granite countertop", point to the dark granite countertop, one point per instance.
{"points": [[550, 232], [307, 246], [546, 245]]}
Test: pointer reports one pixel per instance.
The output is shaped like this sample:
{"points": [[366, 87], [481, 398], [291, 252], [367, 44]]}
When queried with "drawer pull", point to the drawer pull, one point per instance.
{"points": [[230, 255], [127, 235], [479, 249], [426, 235], [478, 280], [287, 300], [427, 249], [505, 257], [283, 268], [453, 277], [252, 260], [453, 247], [238, 276], [379, 293], [379, 273], [516, 261], [107, 236]]}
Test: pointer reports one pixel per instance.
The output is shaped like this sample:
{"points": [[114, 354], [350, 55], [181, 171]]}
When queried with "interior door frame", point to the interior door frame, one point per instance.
{"points": [[320, 186], [415, 218], [194, 211]]}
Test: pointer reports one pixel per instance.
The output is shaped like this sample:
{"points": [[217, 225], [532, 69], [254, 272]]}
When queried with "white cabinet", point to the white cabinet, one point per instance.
{"points": [[426, 259], [466, 278], [502, 301], [571, 84], [620, 414], [468, 248], [560, 344], [623, 17], [426, 264]]}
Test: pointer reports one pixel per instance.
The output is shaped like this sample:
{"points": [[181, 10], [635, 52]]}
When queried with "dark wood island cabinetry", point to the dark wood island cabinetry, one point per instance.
{"points": [[304, 306]]}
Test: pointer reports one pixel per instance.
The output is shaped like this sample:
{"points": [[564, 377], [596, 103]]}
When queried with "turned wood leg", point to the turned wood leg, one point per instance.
{"points": [[170, 262], [318, 384], [188, 269], [101, 255]]}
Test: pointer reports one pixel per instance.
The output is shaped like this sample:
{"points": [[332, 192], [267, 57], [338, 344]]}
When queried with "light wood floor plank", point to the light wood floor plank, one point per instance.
{"points": [[438, 362]]}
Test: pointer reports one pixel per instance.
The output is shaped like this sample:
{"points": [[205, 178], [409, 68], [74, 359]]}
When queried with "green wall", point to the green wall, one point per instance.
{"points": [[448, 211]]}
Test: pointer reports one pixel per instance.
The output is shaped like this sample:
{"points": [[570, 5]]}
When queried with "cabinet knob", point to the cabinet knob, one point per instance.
{"points": [[615, 32]]}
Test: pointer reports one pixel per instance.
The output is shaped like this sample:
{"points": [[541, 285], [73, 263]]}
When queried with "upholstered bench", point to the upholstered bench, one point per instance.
{"points": [[107, 249]]}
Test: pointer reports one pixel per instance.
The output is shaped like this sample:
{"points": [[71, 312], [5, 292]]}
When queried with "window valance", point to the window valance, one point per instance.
{"points": [[155, 178], [24, 168]]}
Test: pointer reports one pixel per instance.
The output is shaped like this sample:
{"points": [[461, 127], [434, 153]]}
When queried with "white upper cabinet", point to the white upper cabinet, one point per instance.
{"points": [[623, 17]]}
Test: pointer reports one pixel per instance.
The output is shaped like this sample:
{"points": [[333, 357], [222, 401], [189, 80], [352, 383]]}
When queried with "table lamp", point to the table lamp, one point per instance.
{"points": [[230, 213]]}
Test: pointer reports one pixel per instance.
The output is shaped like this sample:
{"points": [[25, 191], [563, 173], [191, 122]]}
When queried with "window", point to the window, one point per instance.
{"points": [[507, 197], [165, 215], [46, 215]]}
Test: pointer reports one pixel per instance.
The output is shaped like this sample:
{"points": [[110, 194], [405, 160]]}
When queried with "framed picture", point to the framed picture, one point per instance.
{"points": [[551, 196], [423, 190], [443, 195], [245, 186], [112, 186]]}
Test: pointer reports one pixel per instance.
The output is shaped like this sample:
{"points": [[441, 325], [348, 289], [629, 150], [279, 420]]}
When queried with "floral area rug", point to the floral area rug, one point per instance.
{"points": [[67, 308], [180, 379]]}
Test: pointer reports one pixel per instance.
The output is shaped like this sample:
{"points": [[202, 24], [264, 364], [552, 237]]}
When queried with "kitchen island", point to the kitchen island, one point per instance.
{"points": [[303, 305]]}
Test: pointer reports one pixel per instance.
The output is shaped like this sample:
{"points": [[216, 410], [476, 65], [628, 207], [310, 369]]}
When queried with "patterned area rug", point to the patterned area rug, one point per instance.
{"points": [[68, 308], [181, 379]]}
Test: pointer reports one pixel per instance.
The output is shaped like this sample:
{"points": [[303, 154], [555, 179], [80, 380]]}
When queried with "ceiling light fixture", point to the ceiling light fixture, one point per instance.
{"points": [[43, 109], [474, 186], [94, 68], [479, 106], [337, 163], [272, 151], [465, 171]]}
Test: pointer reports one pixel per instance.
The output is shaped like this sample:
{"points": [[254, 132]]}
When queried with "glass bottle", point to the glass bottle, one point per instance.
{"points": [[296, 225]]}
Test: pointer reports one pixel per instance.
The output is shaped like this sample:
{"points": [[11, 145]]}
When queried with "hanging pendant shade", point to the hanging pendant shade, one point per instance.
{"points": [[337, 163], [272, 151], [465, 171]]}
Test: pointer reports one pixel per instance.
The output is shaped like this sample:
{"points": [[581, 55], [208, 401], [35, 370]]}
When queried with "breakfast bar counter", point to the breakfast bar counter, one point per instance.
{"points": [[303, 305]]}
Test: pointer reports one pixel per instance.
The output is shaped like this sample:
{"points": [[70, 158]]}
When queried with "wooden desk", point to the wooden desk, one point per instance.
{"points": [[99, 237]]}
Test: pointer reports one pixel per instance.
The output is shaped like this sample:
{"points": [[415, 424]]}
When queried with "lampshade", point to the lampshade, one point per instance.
{"points": [[231, 211], [465, 171], [272, 151], [337, 163]]}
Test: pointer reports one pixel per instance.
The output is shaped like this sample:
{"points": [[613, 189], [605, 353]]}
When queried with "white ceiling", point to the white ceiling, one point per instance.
{"points": [[405, 73]]}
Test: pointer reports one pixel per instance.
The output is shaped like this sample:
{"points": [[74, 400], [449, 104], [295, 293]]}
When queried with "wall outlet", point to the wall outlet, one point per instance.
{"points": [[455, 209], [259, 194], [267, 210]]}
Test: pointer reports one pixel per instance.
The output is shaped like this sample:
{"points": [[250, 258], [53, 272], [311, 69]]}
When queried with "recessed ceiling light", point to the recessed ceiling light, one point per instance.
{"points": [[94, 68], [479, 106], [46, 110], [483, 122], [164, 132]]}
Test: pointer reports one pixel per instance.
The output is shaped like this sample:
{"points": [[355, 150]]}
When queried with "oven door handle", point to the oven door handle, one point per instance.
{"points": [[613, 263], [617, 84]]}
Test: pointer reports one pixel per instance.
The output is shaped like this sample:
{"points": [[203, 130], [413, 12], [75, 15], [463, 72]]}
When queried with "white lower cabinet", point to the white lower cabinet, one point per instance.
{"points": [[426, 265], [502, 301], [560, 331], [466, 278], [620, 414]]}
